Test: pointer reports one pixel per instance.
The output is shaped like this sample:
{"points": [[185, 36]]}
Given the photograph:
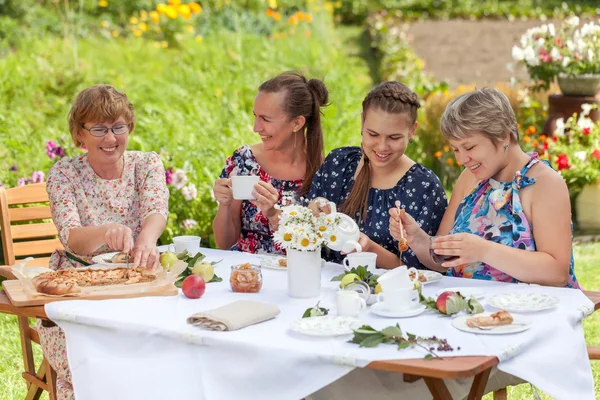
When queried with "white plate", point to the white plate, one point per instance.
{"points": [[468, 292], [523, 301], [272, 262], [521, 323], [382, 310], [431, 276], [100, 259], [327, 325]]}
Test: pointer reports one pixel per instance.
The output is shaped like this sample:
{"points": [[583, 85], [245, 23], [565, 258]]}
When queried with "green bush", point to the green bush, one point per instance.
{"points": [[193, 105]]}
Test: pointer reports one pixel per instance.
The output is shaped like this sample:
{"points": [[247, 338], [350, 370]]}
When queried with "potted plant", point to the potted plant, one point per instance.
{"points": [[302, 234], [574, 151], [569, 53]]}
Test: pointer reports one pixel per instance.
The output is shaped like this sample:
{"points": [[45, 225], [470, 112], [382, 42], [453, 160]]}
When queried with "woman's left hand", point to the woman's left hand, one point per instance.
{"points": [[467, 247], [145, 254], [266, 198]]}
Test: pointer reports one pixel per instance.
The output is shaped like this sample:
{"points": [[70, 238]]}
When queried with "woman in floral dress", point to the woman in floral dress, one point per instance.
{"points": [[287, 117], [491, 228], [364, 182], [107, 199]]}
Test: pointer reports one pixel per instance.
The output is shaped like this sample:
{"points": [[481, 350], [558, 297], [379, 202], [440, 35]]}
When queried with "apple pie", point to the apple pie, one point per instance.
{"points": [[495, 319], [70, 281], [422, 277]]}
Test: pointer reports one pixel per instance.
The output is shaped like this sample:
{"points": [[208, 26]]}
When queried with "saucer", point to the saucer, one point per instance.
{"points": [[383, 311]]}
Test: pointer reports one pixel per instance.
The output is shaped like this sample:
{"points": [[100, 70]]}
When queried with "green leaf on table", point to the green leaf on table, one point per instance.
{"points": [[475, 306], [428, 356], [215, 278], [410, 336], [403, 345], [392, 331], [315, 311], [372, 340], [338, 277]]}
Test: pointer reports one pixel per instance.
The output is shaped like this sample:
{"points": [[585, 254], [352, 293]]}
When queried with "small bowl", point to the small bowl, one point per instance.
{"points": [[246, 278]]}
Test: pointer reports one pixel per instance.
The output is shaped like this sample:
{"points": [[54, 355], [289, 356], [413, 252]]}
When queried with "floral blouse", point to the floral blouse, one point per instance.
{"points": [[79, 198], [256, 234], [419, 191], [493, 210]]}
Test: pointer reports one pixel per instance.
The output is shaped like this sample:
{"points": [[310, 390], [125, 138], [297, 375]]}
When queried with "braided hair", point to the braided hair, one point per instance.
{"points": [[391, 97]]}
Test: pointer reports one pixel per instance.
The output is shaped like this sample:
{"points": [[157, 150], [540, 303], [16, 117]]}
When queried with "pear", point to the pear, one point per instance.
{"points": [[204, 269], [167, 259]]}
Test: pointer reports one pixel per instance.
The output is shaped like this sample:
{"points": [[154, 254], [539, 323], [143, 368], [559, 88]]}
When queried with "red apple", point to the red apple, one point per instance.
{"points": [[193, 286], [442, 300]]}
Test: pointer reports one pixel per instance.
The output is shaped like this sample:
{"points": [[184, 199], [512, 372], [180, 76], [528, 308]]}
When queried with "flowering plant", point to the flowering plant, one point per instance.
{"points": [[547, 52], [575, 149], [300, 230]]}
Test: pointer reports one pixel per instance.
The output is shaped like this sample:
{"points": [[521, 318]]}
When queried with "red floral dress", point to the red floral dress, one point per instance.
{"points": [[79, 197], [256, 234]]}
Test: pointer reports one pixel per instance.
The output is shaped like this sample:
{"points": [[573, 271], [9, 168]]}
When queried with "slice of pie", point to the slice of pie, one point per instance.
{"points": [[70, 281], [120, 258], [495, 319]]}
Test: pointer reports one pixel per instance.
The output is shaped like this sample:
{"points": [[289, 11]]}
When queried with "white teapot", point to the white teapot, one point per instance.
{"points": [[346, 233]]}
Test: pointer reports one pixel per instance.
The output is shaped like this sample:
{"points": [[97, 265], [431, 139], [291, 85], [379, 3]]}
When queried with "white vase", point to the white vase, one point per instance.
{"points": [[304, 273]]}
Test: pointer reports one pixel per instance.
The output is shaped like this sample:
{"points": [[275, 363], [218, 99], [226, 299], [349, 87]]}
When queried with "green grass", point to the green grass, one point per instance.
{"points": [[587, 259]]}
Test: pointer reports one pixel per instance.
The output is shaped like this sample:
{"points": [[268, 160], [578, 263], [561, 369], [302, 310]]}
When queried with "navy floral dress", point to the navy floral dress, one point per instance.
{"points": [[419, 191], [256, 234]]}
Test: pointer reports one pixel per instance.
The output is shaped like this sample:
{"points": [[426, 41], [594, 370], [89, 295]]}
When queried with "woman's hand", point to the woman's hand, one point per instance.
{"points": [[145, 253], [410, 228], [467, 247], [266, 198], [365, 243], [319, 205], [222, 191], [118, 237]]}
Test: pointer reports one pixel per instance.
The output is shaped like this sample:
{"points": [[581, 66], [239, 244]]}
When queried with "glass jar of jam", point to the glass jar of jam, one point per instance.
{"points": [[245, 278]]}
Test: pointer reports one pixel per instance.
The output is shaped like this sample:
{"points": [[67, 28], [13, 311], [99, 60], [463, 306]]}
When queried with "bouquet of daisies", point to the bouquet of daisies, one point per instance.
{"points": [[300, 230]]}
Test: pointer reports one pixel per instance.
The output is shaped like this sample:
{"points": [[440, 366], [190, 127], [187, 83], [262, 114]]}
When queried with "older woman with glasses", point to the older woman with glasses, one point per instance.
{"points": [[107, 199]]}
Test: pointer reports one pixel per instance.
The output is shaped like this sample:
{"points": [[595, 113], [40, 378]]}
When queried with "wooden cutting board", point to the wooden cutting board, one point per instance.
{"points": [[18, 297]]}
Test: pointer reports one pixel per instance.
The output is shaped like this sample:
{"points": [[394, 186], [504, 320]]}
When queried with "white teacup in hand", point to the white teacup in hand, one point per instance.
{"points": [[242, 187]]}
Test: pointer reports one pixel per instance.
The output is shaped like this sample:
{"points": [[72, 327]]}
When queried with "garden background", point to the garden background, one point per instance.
{"points": [[192, 69]]}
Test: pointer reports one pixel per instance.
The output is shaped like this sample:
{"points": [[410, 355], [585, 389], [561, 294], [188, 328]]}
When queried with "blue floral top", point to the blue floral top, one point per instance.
{"points": [[493, 210], [419, 191]]}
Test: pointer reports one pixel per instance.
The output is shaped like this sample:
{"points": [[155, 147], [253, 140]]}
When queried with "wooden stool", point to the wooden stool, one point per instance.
{"points": [[561, 106]]}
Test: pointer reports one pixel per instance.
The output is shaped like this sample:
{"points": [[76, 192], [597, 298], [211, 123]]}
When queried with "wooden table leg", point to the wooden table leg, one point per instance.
{"points": [[410, 378], [479, 384], [501, 394], [438, 388]]}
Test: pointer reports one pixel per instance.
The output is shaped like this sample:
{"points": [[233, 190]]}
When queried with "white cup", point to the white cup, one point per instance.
{"points": [[242, 187], [349, 303], [398, 300], [366, 259], [398, 278], [189, 243]]}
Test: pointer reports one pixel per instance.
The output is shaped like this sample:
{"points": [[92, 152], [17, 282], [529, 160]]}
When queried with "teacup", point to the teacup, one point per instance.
{"points": [[349, 303], [189, 243], [399, 300], [366, 259], [242, 187], [398, 278], [346, 233]]}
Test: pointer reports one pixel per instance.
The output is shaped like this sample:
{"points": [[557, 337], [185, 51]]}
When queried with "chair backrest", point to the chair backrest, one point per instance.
{"points": [[32, 239]]}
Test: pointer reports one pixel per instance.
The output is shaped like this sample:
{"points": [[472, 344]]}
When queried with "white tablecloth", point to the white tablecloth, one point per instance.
{"points": [[144, 349]]}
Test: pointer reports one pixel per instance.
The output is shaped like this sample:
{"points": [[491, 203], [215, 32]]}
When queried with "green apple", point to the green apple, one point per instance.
{"points": [[205, 270], [167, 259], [349, 278]]}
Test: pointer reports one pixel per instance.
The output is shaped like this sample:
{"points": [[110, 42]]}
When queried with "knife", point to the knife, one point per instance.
{"points": [[127, 259]]}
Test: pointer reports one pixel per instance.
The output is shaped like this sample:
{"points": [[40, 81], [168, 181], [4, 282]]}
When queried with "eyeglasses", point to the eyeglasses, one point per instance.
{"points": [[100, 131]]}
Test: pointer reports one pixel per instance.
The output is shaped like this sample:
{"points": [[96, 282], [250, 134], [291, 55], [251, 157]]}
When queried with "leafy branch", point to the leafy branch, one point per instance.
{"points": [[363, 273], [366, 336], [191, 261]]}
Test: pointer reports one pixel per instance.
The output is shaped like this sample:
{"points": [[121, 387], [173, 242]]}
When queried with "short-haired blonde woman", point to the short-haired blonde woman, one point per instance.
{"points": [[107, 199], [509, 218]]}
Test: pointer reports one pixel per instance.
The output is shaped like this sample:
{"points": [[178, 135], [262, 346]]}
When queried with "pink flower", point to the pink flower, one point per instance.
{"points": [[586, 131], [54, 150], [14, 168], [38, 176], [169, 176], [23, 181], [596, 154], [189, 223]]}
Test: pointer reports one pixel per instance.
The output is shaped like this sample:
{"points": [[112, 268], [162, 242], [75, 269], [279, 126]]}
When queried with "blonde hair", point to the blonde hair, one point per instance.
{"points": [[99, 103], [485, 110]]}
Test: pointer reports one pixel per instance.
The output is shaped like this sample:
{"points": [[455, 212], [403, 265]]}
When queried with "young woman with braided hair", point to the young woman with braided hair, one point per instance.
{"points": [[365, 182], [287, 117]]}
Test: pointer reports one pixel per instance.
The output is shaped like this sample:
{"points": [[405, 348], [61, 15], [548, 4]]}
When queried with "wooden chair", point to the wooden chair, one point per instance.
{"points": [[18, 242]]}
